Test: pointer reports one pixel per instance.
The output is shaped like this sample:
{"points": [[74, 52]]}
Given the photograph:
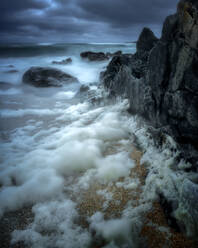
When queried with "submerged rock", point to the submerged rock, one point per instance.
{"points": [[63, 62], [46, 77]]}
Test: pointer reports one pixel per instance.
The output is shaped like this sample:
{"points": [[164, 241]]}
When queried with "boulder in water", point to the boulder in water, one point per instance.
{"points": [[46, 77], [93, 56], [10, 66], [83, 92], [84, 88], [63, 62]]}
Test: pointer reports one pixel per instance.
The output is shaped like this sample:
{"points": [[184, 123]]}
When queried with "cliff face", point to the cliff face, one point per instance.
{"points": [[161, 79], [161, 82]]}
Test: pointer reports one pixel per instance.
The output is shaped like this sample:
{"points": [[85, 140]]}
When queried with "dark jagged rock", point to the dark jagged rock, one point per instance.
{"points": [[161, 83], [169, 27], [87, 93], [84, 88], [82, 93], [114, 70], [109, 55], [99, 56], [146, 40], [63, 62], [161, 79], [46, 77], [92, 56]]}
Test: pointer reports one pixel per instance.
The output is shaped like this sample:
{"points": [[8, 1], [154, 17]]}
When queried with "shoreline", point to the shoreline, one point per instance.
{"points": [[155, 231]]}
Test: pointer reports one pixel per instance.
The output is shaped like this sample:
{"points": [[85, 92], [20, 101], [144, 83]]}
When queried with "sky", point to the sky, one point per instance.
{"points": [[24, 21]]}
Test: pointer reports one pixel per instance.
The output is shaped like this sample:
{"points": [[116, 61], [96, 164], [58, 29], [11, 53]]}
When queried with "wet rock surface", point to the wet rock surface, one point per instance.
{"points": [[46, 77]]}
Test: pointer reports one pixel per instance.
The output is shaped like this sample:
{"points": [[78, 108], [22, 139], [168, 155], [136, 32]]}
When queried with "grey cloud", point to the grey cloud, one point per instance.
{"points": [[128, 12], [80, 20]]}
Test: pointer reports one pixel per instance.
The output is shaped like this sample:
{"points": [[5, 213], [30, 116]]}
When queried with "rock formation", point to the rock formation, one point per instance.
{"points": [[161, 78], [46, 77], [99, 56], [93, 56], [161, 82]]}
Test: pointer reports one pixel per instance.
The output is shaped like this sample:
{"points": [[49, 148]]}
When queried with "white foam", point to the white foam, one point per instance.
{"points": [[35, 187], [60, 152], [115, 230], [65, 95], [114, 166], [86, 72], [54, 226]]}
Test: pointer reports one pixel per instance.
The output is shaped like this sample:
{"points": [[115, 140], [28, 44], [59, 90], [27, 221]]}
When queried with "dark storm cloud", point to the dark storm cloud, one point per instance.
{"points": [[127, 12], [11, 13], [80, 20], [13, 6]]}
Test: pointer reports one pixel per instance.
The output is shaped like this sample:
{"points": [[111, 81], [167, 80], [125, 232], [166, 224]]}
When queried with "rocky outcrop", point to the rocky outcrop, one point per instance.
{"points": [[109, 55], [161, 82], [161, 79], [83, 92], [63, 62], [146, 40], [99, 56], [46, 77], [92, 56]]}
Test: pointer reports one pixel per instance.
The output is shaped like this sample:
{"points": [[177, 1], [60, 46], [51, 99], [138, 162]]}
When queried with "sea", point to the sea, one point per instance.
{"points": [[71, 159]]}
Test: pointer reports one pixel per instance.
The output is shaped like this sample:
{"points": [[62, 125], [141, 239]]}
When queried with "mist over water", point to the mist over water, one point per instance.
{"points": [[55, 147]]}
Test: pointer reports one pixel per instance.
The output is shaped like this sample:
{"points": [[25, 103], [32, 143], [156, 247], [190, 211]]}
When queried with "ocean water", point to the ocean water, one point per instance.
{"points": [[55, 147]]}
